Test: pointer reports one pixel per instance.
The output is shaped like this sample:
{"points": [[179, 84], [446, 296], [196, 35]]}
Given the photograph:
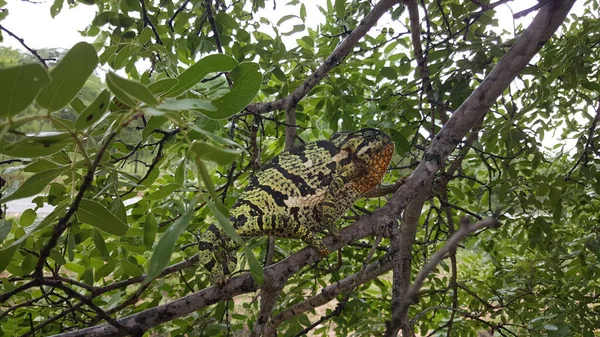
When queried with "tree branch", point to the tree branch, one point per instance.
{"points": [[328, 293], [410, 297], [369, 225], [148, 22], [332, 61], [479, 102], [22, 42]]}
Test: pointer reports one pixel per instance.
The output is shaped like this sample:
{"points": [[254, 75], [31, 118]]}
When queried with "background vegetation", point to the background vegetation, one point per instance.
{"points": [[496, 130]]}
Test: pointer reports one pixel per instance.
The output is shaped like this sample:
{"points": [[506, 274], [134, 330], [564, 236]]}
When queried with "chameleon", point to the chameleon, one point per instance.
{"points": [[299, 193]]}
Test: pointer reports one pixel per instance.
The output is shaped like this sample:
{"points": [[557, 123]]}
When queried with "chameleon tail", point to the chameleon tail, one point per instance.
{"points": [[218, 254]]}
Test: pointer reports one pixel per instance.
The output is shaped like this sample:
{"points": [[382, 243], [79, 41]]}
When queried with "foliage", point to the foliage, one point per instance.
{"points": [[176, 101]]}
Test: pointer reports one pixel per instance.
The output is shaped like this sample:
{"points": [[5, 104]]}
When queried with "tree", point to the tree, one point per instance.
{"points": [[491, 230]]}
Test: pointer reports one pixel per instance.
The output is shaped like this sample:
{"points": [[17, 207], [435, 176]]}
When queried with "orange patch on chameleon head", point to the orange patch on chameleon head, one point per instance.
{"points": [[377, 167]]}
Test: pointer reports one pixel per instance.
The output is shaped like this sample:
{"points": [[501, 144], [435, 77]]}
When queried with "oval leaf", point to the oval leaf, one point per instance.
{"points": [[101, 245], [120, 94], [34, 185], [18, 87], [68, 77], [219, 155], [256, 270], [150, 227], [188, 104], [6, 253], [93, 112], [133, 89], [209, 64], [93, 213], [161, 86], [163, 192], [164, 248], [247, 80], [38, 146]]}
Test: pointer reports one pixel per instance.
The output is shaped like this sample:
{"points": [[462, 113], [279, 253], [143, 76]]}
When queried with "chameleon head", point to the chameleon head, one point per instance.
{"points": [[371, 146]]}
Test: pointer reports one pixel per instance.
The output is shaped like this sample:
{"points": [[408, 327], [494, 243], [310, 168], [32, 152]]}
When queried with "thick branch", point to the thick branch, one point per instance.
{"points": [[479, 102], [402, 241], [369, 225]]}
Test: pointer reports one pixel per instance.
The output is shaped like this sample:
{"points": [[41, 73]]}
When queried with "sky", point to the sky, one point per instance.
{"points": [[32, 21]]}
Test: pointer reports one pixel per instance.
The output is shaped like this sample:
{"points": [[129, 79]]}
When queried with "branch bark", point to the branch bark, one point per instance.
{"points": [[402, 241], [479, 102], [472, 111], [367, 226]]}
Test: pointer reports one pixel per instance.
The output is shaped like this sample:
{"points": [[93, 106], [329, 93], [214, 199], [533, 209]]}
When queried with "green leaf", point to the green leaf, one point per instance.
{"points": [[163, 192], [340, 8], [120, 94], [133, 89], [68, 77], [105, 270], [247, 80], [145, 35], [34, 185], [5, 227], [74, 267], [93, 112], [164, 248], [93, 213], [56, 8], [256, 270], [389, 73], [7, 253], [131, 269], [37, 146], [286, 18], [195, 73], [117, 208], [153, 123], [107, 53], [210, 152], [402, 144], [27, 218], [162, 86], [188, 104], [122, 56], [302, 12], [212, 136], [18, 87], [101, 245], [295, 29], [150, 227], [40, 165]]}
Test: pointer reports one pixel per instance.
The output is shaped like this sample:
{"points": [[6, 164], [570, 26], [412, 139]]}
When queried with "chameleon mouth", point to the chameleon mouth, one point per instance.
{"points": [[377, 166]]}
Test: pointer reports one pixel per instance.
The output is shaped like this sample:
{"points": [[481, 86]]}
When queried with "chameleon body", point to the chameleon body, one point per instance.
{"points": [[299, 193]]}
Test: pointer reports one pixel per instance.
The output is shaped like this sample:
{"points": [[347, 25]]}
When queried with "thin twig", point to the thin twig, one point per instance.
{"points": [[148, 22], [22, 42]]}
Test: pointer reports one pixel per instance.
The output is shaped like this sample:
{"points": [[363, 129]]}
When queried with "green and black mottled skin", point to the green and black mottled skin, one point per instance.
{"points": [[301, 192]]}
